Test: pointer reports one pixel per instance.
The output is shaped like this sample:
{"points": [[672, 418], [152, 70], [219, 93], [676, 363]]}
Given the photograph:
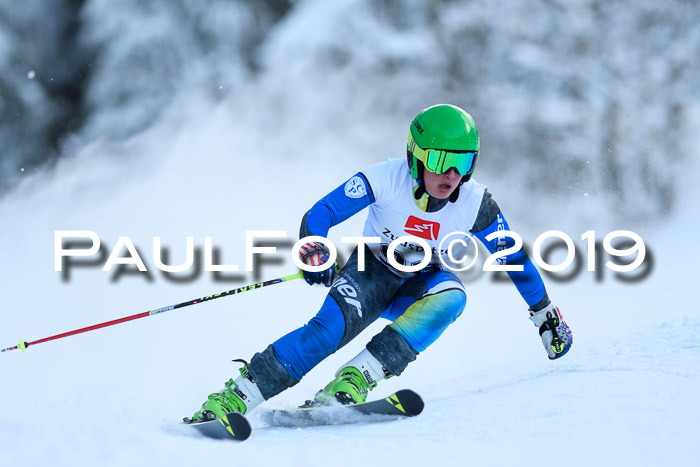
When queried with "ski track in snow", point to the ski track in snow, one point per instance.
{"points": [[637, 408]]}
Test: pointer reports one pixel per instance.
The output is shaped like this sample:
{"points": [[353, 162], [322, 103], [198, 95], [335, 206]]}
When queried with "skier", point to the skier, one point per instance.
{"points": [[429, 197]]}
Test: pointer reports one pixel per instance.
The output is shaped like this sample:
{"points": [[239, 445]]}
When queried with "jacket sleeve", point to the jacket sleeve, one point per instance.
{"points": [[528, 281], [340, 204]]}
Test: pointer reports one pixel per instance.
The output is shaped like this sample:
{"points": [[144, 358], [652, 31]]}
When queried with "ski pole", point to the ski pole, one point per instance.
{"points": [[23, 345]]}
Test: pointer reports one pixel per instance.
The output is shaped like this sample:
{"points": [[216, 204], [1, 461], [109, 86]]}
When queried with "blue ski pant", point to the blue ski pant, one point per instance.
{"points": [[420, 308]]}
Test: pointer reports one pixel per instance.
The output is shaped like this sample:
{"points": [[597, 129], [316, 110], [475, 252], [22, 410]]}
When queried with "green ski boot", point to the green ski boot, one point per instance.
{"points": [[220, 403], [348, 387]]}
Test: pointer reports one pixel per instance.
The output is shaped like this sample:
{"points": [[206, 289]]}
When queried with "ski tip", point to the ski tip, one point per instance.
{"points": [[243, 428], [232, 426], [410, 400]]}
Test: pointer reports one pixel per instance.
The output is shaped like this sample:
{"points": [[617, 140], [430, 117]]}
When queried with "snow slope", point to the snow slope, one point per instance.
{"points": [[625, 395]]}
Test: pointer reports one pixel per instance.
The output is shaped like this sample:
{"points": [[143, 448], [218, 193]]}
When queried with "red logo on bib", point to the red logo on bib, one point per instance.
{"points": [[423, 229]]}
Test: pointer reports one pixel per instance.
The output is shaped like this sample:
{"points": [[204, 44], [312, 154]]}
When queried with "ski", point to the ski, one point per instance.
{"points": [[404, 403], [232, 426]]}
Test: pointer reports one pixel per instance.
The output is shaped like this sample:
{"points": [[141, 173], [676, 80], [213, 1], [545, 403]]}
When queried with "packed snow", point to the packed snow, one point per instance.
{"points": [[316, 100], [625, 394]]}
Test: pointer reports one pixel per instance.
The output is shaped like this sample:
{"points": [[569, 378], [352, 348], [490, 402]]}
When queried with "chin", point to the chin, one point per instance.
{"points": [[440, 196]]}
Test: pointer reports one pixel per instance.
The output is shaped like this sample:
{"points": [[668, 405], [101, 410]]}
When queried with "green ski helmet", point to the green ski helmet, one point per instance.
{"points": [[442, 137]]}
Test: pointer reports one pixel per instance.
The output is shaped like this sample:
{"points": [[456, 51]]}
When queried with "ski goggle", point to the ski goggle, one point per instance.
{"points": [[439, 162]]}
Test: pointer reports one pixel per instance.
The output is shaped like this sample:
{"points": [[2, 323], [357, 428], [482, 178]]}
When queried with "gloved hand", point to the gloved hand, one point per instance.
{"points": [[555, 333], [315, 254]]}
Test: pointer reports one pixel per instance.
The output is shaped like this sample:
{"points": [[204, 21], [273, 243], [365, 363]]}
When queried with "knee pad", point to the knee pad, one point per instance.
{"points": [[424, 321], [447, 305]]}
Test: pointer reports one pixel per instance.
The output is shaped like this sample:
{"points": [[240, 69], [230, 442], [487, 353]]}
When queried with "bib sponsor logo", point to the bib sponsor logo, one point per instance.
{"points": [[355, 188], [422, 229]]}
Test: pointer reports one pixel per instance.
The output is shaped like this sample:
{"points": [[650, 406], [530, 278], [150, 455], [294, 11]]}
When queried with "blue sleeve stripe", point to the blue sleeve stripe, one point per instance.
{"points": [[337, 206]]}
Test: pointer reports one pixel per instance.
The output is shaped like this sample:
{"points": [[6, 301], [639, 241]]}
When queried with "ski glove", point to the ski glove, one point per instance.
{"points": [[555, 333], [315, 254]]}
